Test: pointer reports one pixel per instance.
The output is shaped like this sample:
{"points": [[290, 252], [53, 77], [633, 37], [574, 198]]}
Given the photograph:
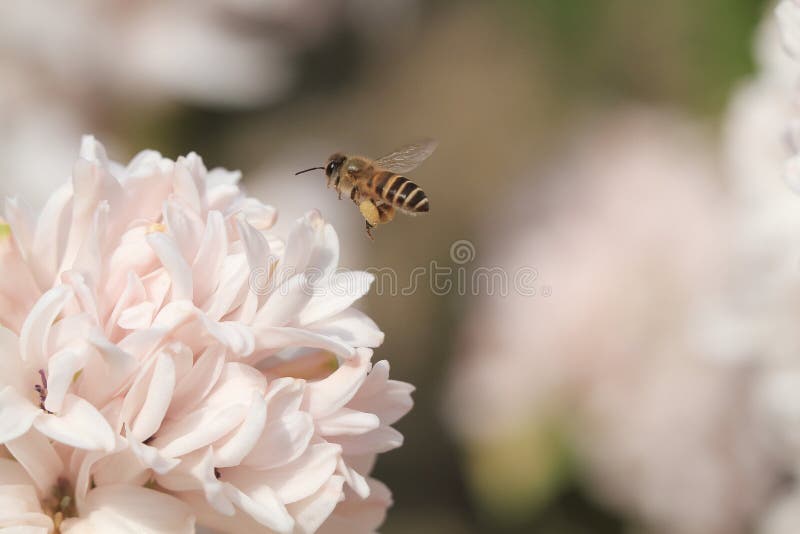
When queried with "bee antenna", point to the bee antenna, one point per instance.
{"points": [[311, 169]]}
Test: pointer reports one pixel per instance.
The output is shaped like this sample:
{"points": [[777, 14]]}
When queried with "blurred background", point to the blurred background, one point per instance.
{"points": [[629, 152]]}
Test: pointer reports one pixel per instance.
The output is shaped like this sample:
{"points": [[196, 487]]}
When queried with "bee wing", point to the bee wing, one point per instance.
{"points": [[408, 157]]}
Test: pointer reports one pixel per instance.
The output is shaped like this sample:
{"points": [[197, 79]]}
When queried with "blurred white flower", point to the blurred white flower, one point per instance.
{"points": [[788, 15], [160, 340], [632, 238]]}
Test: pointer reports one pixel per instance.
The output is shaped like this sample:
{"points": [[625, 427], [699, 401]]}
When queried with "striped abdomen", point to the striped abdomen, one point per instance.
{"points": [[399, 191]]}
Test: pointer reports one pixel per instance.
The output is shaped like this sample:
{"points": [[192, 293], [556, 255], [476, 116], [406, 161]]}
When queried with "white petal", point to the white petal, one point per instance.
{"points": [[352, 327], [137, 317], [197, 383], [231, 450], [264, 507], [78, 424], [354, 479], [325, 256], [383, 439], [157, 400], [34, 452], [198, 430], [152, 457], [16, 414], [328, 395], [124, 509], [298, 248], [255, 245], [11, 369], [52, 229], [388, 399], [280, 337], [347, 422], [207, 266], [186, 227], [232, 288], [312, 511], [196, 472], [336, 294], [360, 516], [293, 481], [176, 265], [282, 441], [61, 370], [285, 303], [34, 335]]}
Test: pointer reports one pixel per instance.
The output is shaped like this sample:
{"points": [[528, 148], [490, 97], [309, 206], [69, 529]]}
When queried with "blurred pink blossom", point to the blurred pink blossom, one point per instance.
{"points": [[632, 238]]}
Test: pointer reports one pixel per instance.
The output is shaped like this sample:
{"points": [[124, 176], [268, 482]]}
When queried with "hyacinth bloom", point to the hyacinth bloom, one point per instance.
{"points": [[166, 361]]}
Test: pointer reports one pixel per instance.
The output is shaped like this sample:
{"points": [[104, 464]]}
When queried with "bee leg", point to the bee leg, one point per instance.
{"points": [[369, 230], [371, 215]]}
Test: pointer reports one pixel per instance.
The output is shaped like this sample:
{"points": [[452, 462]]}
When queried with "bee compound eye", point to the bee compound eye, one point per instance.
{"points": [[329, 168]]}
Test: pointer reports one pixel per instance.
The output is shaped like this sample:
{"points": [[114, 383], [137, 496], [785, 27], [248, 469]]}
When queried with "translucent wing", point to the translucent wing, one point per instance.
{"points": [[408, 157]]}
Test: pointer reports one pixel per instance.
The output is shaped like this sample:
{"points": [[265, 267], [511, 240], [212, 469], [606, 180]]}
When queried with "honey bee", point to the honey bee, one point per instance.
{"points": [[377, 186]]}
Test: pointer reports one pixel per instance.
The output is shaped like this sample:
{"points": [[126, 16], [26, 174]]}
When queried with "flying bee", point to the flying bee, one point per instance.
{"points": [[377, 186]]}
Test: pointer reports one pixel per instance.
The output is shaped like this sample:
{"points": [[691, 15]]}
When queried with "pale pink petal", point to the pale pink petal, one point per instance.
{"points": [[298, 247], [176, 265], [325, 257], [17, 414], [186, 227], [198, 430], [232, 289], [20, 511], [61, 371], [293, 481], [11, 369], [326, 396], [94, 467], [109, 371], [137, 317], [263, 506], [34, 452], [21, 220], [157, 398], [272, 339], [354, 479], [13, 474], [285, 303], [389, 399], [335, 294], [312, 511], [124, 509], [351, 327], [152, 457], [232, 449], [196, 472], [282, 441], [255, 245], [52, 229], [197, 383], [34, 335], [207, 266], [383, 439], [360, 516], [347, 422], [78, 424]]}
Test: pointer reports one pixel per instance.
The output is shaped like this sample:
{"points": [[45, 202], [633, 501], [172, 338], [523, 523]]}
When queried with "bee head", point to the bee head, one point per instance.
{"points": [[334, 163]]}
